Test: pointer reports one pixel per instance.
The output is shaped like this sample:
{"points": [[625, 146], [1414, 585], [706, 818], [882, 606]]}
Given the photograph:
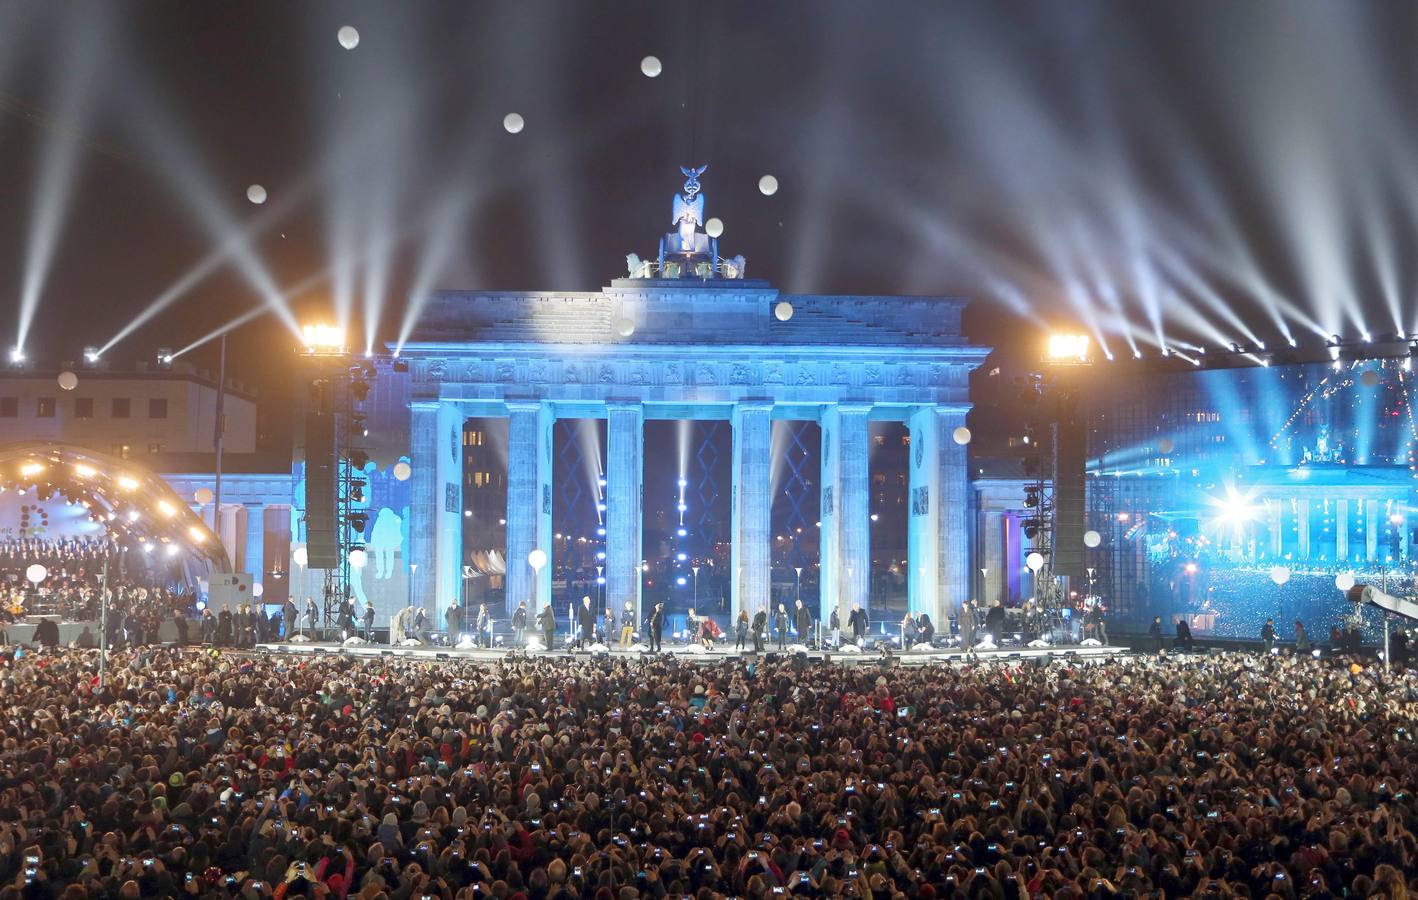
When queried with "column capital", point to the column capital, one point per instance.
{"points": [[754, 404], [958, 409], [854, 407], [525, 405], [625, 405], [424, 405], [254, 504]]}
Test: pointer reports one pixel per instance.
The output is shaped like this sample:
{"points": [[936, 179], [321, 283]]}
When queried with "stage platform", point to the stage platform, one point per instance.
{"points": [[687, 654]]}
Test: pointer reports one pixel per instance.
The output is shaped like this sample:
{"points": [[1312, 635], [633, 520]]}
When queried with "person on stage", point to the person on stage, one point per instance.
{"points": [[857, 621], [1155, 633], [760, 628], [547, 620], [908, 630], [1267, 634], [608, 626], [519, 624], [834, 624], [691, 627], [627, 625], [780, 625], [926, 629], [741, 631], [967, 627], [657, 627], [804, 624], [1184, 635], [1302, 640], [369, 621], [586, 620], [708, 632], [484, 626], [994, 623]]}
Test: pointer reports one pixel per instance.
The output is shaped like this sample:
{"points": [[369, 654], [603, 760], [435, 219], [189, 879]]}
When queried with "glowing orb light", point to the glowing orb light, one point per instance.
{"points": [[36, 573], [714, 227], [358, 557], [537, 558], [256, 194], [68, 381], [624, 327], [1035, 561], [513, 122], [650, 67], [1166, 445], [348, 36], [1279, 574], [783, 311], [300, 556], [1369, 379], [1344, 580], [1092, 539], [258, 589], [203, 495], [402, 471], [961, 435], [768, 185]]}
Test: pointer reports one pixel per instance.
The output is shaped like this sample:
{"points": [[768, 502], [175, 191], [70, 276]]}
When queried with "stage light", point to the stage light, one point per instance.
{"points": [[84, 471], [681, 557], [1396, 519], [167, 509], [601, 532], [165, 358], [196, 534], [29, 470], [875, 517], [681, 532], [321, 337], [133, 515], [1191, 568], [17, 357], [171, 549], [682, 483], [1068, 347], [127, 483], [680, 581], [91, 355], [147, 547]]}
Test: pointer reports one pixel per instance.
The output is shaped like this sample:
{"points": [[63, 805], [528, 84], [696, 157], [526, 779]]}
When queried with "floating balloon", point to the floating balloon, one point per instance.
{"points": [[513, 123], [537, 558], [358, 558], [783, 310], [1035, 561], [402, 471], [348, 37], [203, 495], [961, 435], [1370, 378], [257, 589], [1279, 574], [768, 185], [1344, 580], [36, 573], [256, 194], [68, 381], [624, 327], [651, 67], [1166, 445], [1092, 538], [300, 556], [714, 227]]}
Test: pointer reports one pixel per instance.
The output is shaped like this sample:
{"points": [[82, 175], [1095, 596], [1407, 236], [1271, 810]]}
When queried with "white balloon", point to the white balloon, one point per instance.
{"points": [[1279, 574], [650, 66], [256, 194], [36, 573], [783, 310], [348, 37], [300, 556], [714, 227], [1344, 580], [768, 185], [1035, 561], [1092, 538], [203, 495], [402, 471], [358, 558], [513, 123], [537, 558], [961, 435], [257, 589], [624, 327], [68, 381]]}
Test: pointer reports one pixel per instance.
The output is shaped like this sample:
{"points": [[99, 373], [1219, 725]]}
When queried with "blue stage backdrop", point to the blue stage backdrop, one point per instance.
{"points": [[1230, 496]]}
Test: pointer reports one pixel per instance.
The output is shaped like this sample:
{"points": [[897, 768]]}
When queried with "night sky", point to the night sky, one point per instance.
{"points": [[1188, 172]]}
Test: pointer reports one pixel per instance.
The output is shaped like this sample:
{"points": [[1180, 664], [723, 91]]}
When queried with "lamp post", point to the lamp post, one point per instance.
{"points": [[695, 570]]}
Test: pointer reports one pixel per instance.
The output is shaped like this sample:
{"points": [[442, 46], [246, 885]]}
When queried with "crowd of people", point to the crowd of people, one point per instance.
{"points": [[192, 774], [19, 552]]}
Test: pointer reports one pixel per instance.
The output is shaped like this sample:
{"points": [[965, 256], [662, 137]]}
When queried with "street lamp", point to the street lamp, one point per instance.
{"points": [[695, 570]]}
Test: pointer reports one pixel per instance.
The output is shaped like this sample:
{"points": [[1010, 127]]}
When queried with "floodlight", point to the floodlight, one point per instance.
{"points": [[91, 355], [1068, 348], [320, 338]]}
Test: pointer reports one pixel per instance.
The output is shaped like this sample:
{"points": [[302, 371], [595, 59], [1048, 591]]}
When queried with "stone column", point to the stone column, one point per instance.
{"points": [[994, 557], [923, 524], [954, 533], [529, 503], [1371, 530], [625, 474], [424, 505], [256, 541], [1341, 530], [1304, 523], [1276, 508], [229, 533], [752, 506], [854, 505], [829, 556], [448, 550]]}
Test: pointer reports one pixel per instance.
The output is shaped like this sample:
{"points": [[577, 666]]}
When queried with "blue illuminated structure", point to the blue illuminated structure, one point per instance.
{"points": [[685, 336]]}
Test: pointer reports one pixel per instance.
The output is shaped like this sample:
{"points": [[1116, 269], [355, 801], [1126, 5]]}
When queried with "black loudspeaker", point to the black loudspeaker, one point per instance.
{"points": [[321, 540], [1070, 450]]}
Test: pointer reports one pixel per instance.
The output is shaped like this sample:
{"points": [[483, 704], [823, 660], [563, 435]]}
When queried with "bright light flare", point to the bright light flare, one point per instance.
{"points": [[84, 471], [29, 470], [1236, 509], [167, 509], [1068, 347], [318, 337], [127, 483]]}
